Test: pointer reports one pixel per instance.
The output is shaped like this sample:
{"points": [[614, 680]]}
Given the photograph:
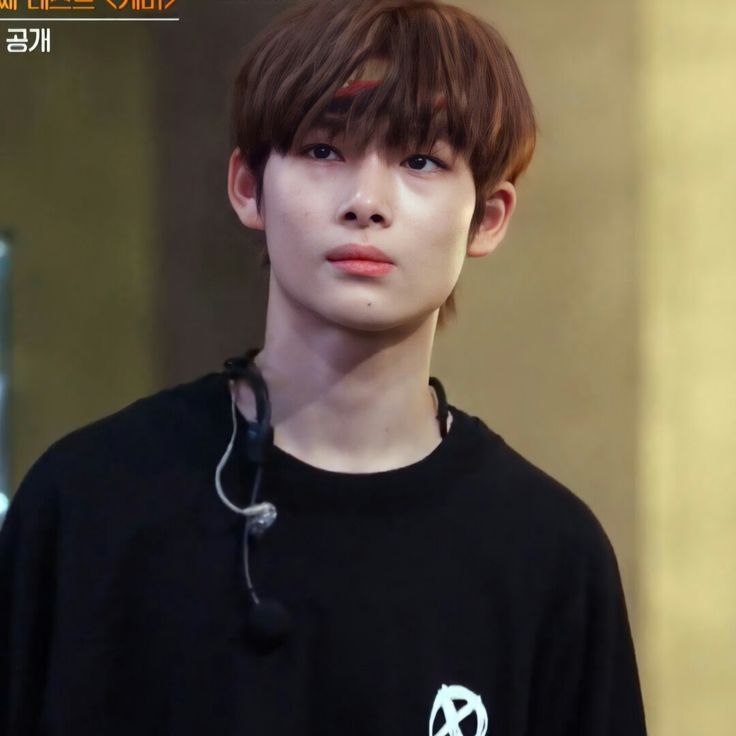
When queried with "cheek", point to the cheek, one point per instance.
{"points": [[291, 215], [286, 198], [443, 232], [457, 211], [457, 216], [441, 246]]}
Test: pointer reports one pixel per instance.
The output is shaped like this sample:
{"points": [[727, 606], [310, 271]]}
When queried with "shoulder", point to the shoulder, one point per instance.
{"points": [[149, 425], [539, 518], [506, 477], [167, 414], [140, 440]]}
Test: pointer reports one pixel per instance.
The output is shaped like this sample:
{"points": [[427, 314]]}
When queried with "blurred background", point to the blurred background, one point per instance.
{"points": [[599, 339]]}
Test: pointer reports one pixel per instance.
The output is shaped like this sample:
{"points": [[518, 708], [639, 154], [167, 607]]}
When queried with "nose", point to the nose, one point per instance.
{"points": [[369, 188]]}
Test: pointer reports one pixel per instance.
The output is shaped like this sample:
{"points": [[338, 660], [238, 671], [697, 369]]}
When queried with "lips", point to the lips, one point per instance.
{"points": [[358, 252]]}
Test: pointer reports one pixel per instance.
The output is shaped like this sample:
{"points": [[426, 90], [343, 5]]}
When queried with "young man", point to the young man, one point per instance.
{"points": [[420, 576]]}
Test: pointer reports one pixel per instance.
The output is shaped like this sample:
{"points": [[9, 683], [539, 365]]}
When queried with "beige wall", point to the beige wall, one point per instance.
{"points": [[688, 358]]}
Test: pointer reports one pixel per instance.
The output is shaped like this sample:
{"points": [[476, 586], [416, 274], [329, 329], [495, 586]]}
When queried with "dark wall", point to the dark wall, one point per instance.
{"points": [[209, 281], [129, 270]]}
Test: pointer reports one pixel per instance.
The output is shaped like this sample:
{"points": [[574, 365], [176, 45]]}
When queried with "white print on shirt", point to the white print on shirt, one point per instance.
{"points": [[445, 699]]}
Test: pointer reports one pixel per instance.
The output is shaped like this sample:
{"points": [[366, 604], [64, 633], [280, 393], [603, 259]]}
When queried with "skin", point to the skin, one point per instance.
{"points": [[346, 358]]}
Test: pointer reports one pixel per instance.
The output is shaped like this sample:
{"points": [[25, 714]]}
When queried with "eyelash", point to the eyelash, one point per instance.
{"points": [[434, 160]]}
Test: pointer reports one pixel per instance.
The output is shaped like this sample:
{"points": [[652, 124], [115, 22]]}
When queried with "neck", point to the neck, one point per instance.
{"points": [[349, 402]]}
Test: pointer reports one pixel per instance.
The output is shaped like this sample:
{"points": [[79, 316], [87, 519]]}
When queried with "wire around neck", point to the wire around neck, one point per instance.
{"points": [[247, 361]]}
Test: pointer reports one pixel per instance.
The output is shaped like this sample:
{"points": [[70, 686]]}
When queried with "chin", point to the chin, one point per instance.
{"points": [[376, 320]]}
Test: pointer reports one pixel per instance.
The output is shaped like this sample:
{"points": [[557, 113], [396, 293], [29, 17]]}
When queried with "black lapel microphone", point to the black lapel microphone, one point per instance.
{"points": [[269, 623]]}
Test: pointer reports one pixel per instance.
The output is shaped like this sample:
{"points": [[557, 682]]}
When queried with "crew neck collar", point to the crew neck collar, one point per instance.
{"points": [[288, 481]]}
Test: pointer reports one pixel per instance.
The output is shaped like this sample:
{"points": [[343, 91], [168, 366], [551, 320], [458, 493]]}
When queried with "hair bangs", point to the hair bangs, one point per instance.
{"points": [[422, 95]]}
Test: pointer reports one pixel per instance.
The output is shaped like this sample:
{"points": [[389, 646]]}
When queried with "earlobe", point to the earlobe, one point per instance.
{"points": [[499, 208], [241, 190]]}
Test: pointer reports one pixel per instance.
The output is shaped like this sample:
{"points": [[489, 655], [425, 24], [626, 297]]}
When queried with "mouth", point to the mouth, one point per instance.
{"points": [[358, 252], [363, 267]]}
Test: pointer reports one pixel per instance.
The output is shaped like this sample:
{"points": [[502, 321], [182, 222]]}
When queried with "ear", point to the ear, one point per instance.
{"points": [[241, 189], [499, 208]]}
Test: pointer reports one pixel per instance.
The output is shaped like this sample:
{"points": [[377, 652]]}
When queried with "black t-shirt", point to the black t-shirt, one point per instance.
{"points": [[466, 594]]}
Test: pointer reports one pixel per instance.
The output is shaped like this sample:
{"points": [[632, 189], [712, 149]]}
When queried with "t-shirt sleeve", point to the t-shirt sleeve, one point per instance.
{"points": [[588, 682], [27, 592]]}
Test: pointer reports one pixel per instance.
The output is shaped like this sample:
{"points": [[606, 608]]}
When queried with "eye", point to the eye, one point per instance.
{"points": [[321, 148], [424, 158]]}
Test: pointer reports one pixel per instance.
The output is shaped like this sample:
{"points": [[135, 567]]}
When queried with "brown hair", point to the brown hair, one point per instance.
{"points": [[446, 72]]}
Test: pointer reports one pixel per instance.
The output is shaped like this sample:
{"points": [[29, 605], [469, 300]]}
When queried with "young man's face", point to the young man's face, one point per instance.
{"points": [[326, 195]]}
